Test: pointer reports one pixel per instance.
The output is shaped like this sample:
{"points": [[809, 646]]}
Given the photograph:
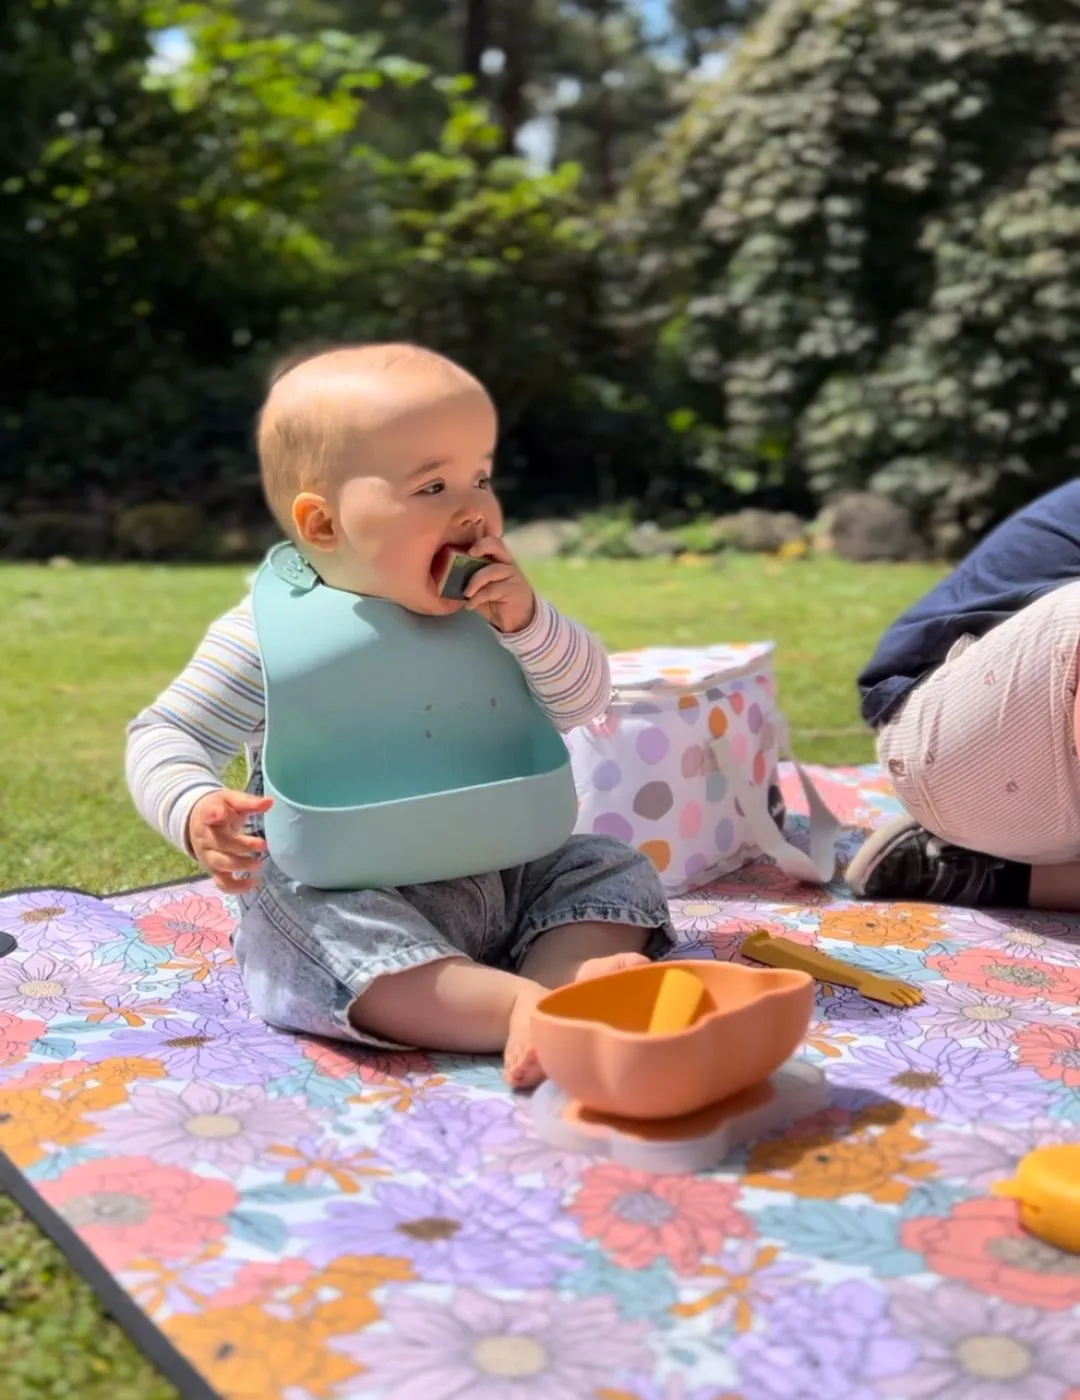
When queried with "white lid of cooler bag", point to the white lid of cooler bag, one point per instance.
{"points": [[687, 668]]}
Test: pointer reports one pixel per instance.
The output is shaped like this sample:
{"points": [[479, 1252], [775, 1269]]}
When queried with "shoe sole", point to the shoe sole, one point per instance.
{"points": [[876, 846]]}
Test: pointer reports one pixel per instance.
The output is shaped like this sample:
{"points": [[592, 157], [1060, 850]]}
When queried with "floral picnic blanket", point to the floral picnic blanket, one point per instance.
{"points": [[290, 1220]]}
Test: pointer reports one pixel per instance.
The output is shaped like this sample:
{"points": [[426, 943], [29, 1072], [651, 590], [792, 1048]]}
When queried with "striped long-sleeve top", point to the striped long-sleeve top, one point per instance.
{"points": [[179, 747]]}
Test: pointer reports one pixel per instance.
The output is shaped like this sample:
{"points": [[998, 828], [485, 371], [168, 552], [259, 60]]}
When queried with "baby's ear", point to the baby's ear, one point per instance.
{"points": [[314, 522]]}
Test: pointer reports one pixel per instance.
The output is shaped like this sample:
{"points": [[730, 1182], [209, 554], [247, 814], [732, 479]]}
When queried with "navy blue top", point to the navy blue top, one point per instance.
{"points": [[1029, 554]]}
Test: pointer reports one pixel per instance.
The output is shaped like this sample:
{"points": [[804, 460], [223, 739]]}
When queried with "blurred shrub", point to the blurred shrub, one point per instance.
{"points": [[862, 248]]}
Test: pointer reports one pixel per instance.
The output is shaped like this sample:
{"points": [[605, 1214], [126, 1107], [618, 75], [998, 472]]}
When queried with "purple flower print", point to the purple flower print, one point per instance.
{"points": [[226, 1127], [61, 922], [233, 1052], [525, 1154], [817, 1342], [847, 1009], [958, 1011], [979, 1159], [946, 1079], [447, 1134], [674, 1387], [41, 985], [1027, 935], [220, 997], [474, 1347], [971, 1347], [509, 1238]]}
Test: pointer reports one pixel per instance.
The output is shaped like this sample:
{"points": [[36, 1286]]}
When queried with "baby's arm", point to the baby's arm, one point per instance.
{"points": [[179, 747], [566, 666]]}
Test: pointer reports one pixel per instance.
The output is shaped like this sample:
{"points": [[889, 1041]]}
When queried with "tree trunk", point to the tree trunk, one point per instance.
{"points": [[512, 101], [605, 124], [475, 38]]}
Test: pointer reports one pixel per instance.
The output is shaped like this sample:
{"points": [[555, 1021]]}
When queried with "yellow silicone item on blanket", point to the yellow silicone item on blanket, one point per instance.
{"points": [[782, 952], [678, 1002], [1047, 1187]]}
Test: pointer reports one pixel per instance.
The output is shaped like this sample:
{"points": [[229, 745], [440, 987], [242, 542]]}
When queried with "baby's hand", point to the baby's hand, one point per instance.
{"points": [[500, 593], [218, 841]]}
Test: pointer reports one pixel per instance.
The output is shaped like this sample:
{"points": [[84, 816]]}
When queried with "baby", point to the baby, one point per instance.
{"points": [[376, 461]]}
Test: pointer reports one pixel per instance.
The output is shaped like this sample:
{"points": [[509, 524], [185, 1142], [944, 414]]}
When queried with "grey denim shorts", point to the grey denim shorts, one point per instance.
{"points": [[307, 954]]}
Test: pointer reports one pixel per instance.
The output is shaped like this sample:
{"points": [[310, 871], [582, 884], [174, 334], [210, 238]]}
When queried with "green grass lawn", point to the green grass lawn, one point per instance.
{"points": [[83, 649]]}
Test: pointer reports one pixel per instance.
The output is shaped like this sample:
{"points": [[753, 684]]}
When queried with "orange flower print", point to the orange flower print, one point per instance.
{"points": [[16, 1035], [640, 1218], [31, 1125], [744, 1276], [391, 1088], [34, 1122], [130, 1206], [326, 1163], [827, 1041], [836, 1153], [247, 1354], [1053, 1049], [190, 925], [1020, 978], [342, 1304], [982, 1243], [873, 926], [182, 1285]]}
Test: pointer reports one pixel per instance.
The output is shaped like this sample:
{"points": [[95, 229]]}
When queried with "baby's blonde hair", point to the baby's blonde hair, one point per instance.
{"points": [[299, 440]]}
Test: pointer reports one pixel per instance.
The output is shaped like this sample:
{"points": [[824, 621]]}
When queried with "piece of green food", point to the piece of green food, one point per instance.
{"points": [[461, 570]]}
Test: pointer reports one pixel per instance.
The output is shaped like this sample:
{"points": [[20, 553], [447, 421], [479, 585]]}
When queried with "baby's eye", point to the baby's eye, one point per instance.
{"points": [[433, 488], [484, 483]]}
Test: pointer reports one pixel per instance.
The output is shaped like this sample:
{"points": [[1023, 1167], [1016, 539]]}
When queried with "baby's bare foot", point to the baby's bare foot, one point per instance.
{"points": [[521, 1068], [617, 962]]}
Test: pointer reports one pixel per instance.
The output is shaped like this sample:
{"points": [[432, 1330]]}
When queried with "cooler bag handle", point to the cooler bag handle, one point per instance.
{"points": [[819, 866]]}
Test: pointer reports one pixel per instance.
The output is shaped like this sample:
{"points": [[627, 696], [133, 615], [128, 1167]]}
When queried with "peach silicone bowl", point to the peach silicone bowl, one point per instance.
{"points": [[593, 1042]]}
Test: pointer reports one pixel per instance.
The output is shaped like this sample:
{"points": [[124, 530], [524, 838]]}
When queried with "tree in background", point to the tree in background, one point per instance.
{"points": [[178, 223], [703, 26], [863, 246]]}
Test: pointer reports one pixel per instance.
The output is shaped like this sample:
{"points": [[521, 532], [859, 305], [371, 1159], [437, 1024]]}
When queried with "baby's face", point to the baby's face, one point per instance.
{"points": [[425, 492]]}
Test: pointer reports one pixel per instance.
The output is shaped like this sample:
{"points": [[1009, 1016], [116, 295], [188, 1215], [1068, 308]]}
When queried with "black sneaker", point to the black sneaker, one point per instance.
{"points": [[904, 861]]}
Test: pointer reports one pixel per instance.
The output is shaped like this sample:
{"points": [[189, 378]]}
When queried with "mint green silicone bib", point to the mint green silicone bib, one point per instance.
{"points": [[399, 749]]}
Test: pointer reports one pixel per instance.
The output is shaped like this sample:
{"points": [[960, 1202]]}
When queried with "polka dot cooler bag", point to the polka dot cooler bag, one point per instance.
{"points": [[684, 766]]}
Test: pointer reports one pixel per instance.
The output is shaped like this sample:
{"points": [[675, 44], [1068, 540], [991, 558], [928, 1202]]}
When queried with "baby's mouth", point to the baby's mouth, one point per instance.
{"points": [[451, 569], [440, 564]]}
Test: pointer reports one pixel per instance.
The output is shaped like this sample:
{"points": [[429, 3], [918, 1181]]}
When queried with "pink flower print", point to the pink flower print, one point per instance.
{"points": [[1023, 979], [265, 1283], [190, 925], [476, 1347], [48, 986], [1052, 1050], [16, 1035], [639, 1218], [131, 1206]]}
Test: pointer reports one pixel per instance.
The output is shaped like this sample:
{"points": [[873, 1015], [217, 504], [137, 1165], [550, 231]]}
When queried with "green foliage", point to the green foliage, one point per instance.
{"points": [[237, 202], [863, 242]]}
